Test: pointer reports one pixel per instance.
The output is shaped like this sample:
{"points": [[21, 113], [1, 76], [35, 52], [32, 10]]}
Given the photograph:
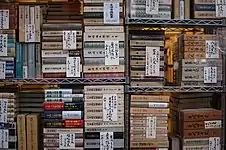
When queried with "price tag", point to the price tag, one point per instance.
{"points": [[3, 44], [111, 13], [220, 8], [212, 49], [151, 127], [106, 140], [110, 111], [181, 9], [71, 114], [69, 40], [214, 143], [152, 7], [25, 72], [67, 140], [2, 69], [4, 137], [212, 124], [157, 105], [30, 33], [3, 110], [111, 53], [73, 67], [4, 19], [152, 61], [210, 74]]}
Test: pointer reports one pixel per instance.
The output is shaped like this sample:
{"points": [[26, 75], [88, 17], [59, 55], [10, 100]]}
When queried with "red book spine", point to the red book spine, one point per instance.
{"points": [[73, 123], [53, 105]]}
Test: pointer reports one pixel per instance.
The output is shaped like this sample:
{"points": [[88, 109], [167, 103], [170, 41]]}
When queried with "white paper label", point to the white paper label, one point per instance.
{"points": [[106, 140], [69, 40], [152, 7], [212, 124], [4, 137], [111, 13], [151, 127], [30, 33], [2, 69], [67, 140], [220, 8], [155, 104], [110, 111], [152, 61], [4, 19], [212, 49], [58, 92], [214, 143], [71, 114], [210, 74], [162, 149], [3, 110], [111, 52], [73, 67], [25, 72], [3, 44], [181, 9]]}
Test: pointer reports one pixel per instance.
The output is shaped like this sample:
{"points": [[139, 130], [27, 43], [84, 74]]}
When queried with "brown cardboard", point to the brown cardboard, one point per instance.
{"points": [[21, 132]]}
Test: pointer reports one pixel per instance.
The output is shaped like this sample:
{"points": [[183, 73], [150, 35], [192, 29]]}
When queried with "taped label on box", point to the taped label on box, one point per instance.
{"points": [[212, 50], [110, 111], [3, 44], [151, 127], [2, 69], [220, 8], [3, 110], [69, 40], [152, 7], [210, 74], [111, 53], [4, 138], [29, 33], [73, 67], [214, 143], [4, 19], [67, 140], [111, 13], [212, 124], [106, 141], [152, 61]]}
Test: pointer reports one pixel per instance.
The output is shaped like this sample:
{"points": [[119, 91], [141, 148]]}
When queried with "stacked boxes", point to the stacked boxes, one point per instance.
{"points": [[200, 128], [63, 108], [199, 61], [62, 41], [8, 25], [150, 9], [149, 122], [104, 117], [8, 111], [103, 39], [146, 58]]}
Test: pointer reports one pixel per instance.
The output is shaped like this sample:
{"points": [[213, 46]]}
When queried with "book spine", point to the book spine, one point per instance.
{"points": [[38, 60], [21, 23], [32, 132], [19, 60], [21, 132], [25, 61]]}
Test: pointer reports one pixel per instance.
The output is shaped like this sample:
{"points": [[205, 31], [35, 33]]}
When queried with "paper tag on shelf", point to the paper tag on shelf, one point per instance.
{"points": [[212, 49], [111, 13], [66, 140], [152, 7], [3, 44], [3, 110], [25, 72], [157, 105], [2, 69], [220, 8], [210, 74], [73, 67], [106, 140], [152, 61], [214, 143], [4, 19], [212, 124], [4, 138], [69, 40], [30, 33], [111, 52], [151, 127], [110, 111], [181, 9]]}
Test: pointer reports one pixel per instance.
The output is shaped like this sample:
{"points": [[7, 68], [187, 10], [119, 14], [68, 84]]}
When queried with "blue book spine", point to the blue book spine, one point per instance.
{"points": [[207, 7], [11, 41], [11, 45], [19, 60]]}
